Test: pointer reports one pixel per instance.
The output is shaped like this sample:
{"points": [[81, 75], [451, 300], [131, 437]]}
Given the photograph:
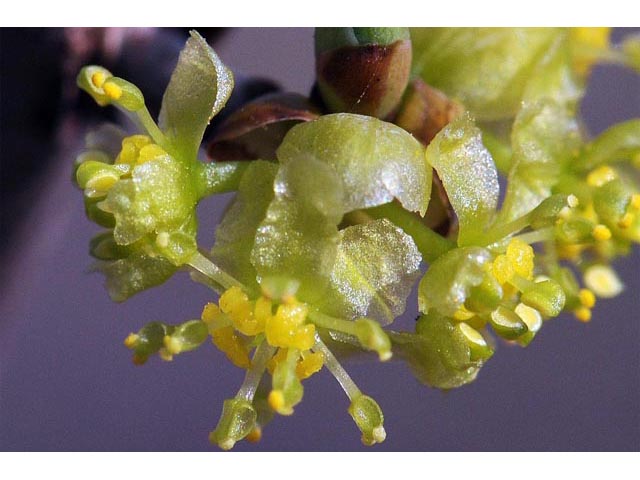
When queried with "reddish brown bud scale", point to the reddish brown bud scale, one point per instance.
{"points": [[366, 79], [256, 130]]}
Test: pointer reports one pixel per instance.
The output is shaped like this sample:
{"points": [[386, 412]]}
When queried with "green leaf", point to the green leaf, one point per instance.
{"points": [[620, 142], [487, 69], [438, 355], [468, 175], [137, 272], [449, 280], [375, 161], [544, 138], [374, 271], [236, 232], [199, 87], [298, 237]]}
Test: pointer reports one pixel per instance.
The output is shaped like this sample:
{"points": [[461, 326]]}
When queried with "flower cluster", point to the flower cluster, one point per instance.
{"points": [[345, 201]]}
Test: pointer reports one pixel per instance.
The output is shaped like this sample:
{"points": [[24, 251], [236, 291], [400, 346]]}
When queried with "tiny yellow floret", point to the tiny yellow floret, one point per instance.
{"points": [[583, 314], [601, 175], [131, 340], [309, 364], [113, 91], [210, 313], [634, 204], [601, 233], [530, 316], [587, 298], [521, 255], [232, 345], [276, 400]]}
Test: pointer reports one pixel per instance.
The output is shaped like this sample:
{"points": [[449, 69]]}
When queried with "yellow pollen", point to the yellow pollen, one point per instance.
{"points": [[98, 79], [583, 314], [601, 233], [254, 435], [635, 202], [232, 345], [210, 312], [276, 400], [601, 175], [309, 364], [587, 298], [113, 91], [131, 340]]}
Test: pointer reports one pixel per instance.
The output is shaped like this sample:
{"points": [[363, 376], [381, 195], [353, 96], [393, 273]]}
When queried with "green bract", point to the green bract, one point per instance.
{"points": [[200, 86], [329, 167], [468, 176], [487, 69], [373, 273], [235, 235]]}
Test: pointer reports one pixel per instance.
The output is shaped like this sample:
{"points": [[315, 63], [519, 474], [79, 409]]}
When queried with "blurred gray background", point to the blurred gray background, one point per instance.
{"points": [[67, 381]]}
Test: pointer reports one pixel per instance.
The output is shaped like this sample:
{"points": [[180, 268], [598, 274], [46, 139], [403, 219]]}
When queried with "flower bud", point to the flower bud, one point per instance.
{"points": [[363, 70], [147, 341], [603, 281], [287, 390], [484, 297], [546, 214], [369, 418], [238, 419], [123, 93], [532, 318], [187, 336], [96, 214], [547, 297], [507, 323], [97, 178], [372, 337], [478, 347], [91, 79]]}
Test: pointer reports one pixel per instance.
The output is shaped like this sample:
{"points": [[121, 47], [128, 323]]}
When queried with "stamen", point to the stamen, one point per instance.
{"points": [[209, 269], [113, 91], [340, 374], [263, 353], [98, 79], [601, 233]]}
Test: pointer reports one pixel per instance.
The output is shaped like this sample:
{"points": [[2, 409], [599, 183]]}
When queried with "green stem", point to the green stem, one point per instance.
{"points": [[340, 374], [144, 117], [262, 355], [219, 177], [332, 323], [431, 244], [210, 270], [502, 231]]}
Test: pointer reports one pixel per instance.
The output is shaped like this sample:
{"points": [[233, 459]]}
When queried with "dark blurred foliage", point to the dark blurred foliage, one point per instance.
{"points": [[41, 108]]}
